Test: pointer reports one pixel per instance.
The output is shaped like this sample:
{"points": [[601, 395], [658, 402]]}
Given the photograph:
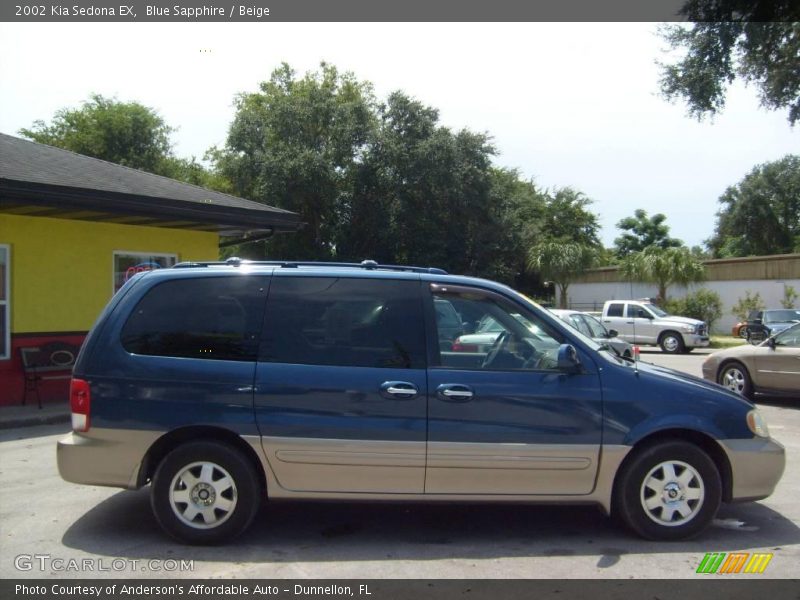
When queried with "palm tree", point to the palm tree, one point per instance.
{"points": [[561, 262], [663, 267]]}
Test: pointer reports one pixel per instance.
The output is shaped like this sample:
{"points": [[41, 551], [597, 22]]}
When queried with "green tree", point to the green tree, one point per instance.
{"points": [[663, 267], [126, 133], [567, 217], [642, 232], [761, 214], [744, 306], [755, 41], [562, 262], [296, 144], [423, 193], [790, 297]]}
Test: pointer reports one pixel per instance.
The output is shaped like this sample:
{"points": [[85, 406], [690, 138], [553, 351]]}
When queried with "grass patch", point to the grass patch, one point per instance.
{"points": [[726, 341]]}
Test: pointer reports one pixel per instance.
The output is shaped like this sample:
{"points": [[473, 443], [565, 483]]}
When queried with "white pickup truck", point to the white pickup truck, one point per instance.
{"points": [[644, 323]]}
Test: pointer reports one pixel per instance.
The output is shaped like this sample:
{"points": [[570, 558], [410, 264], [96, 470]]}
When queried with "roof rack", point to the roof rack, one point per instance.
{"points": [[369, 265]]}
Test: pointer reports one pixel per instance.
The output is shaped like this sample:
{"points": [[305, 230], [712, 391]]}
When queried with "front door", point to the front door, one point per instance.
{"points": [[504, 420], [641, 325], [341, 390], [778, 367]]}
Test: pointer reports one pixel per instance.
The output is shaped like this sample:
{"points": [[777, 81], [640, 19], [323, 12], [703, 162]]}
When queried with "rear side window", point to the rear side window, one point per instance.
{"points": [[615, 310], [344, 322], [215, 318]]}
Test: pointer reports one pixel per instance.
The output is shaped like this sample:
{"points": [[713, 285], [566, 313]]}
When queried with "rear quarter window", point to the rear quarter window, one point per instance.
{"points": [[213, 318], [615, 309]]}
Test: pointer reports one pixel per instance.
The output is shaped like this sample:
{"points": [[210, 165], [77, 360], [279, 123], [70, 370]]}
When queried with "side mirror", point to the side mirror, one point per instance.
{"points": [[568, 359], [612, 333], [771, 343]]}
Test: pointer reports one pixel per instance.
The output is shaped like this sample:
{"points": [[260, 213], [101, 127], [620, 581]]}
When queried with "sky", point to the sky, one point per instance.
{"points": [[566, 104]]}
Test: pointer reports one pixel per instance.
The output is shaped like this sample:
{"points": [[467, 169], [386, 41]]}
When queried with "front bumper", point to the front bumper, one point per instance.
{"points": [[756, 464], [692, 340]]}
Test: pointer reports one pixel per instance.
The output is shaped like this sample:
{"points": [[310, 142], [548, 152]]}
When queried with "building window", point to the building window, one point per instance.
{"points": [[5, 312], [128, 264]]}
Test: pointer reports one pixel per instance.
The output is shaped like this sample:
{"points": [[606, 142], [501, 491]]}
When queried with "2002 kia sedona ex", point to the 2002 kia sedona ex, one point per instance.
{"points": [[224, 385]]}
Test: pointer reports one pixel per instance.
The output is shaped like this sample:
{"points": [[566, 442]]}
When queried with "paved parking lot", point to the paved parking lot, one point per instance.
{"points": [[42, 516]]}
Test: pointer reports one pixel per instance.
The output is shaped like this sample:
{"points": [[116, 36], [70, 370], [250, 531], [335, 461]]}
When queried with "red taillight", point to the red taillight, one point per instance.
{"points": [[80, 401], [459, 347]]}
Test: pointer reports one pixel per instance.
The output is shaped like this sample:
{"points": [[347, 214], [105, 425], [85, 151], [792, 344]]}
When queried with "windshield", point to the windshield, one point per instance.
{"points": [[657, 310], [781, 316]]}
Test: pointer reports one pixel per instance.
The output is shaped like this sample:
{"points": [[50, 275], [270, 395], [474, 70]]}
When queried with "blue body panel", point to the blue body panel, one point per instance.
{"points": [[338, 403], [611, 402]]}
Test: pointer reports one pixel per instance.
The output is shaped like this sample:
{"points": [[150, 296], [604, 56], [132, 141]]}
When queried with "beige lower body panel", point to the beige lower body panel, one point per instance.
{"points": [[101, 456], [464, 468], [385, 471], [361, 466]]}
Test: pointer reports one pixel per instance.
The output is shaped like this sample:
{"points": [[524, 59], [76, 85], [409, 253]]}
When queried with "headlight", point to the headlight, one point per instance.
{"points": [[757, 424], [688, 328]]}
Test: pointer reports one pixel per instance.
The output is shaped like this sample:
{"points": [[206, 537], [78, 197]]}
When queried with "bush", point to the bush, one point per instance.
{"points": [[704, 304], [745, 305], [789, 296]]}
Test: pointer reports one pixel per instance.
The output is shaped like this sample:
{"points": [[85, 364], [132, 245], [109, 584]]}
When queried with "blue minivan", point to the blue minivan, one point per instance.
{"points": [[227, 384]]}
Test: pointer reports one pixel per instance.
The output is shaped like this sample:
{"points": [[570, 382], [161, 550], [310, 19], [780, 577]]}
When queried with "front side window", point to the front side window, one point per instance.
{"points": [[5, 329], [346, 322], [128, 264], [503, 338], [215, 318]]}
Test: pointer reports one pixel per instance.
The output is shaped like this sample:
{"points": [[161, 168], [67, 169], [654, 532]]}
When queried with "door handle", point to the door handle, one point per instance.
{"points": [[629, 322], [455, 392], [399, 390]]}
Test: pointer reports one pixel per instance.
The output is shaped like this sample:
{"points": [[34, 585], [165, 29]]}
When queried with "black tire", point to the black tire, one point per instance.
{"points": [[220, 505], [735, 377], [693, 474], [671, 342], [743, 332]]}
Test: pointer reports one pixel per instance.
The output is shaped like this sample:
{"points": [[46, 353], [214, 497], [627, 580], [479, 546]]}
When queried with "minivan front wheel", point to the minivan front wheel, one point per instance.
{"points": [[205, 493], [668, 491]]}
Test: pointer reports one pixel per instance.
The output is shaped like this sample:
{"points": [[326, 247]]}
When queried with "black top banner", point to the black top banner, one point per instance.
{"points": [[341, 10], [400, 10]]}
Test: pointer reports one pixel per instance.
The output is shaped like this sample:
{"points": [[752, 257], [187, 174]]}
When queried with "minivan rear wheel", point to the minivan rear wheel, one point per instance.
{"points": [[668, 491], [205, 493]]}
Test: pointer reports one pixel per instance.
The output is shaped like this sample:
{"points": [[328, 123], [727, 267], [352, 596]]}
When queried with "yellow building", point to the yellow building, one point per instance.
{"points": [[73, 229]]}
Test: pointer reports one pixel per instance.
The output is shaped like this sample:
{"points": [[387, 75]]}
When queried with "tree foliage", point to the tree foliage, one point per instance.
{"points": [[703, 304], [757, 42], [126, 133], [562, 262], [663, 267], [387, 181], [295, 144], [642, 232], [761, 214], [744, 306]]}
